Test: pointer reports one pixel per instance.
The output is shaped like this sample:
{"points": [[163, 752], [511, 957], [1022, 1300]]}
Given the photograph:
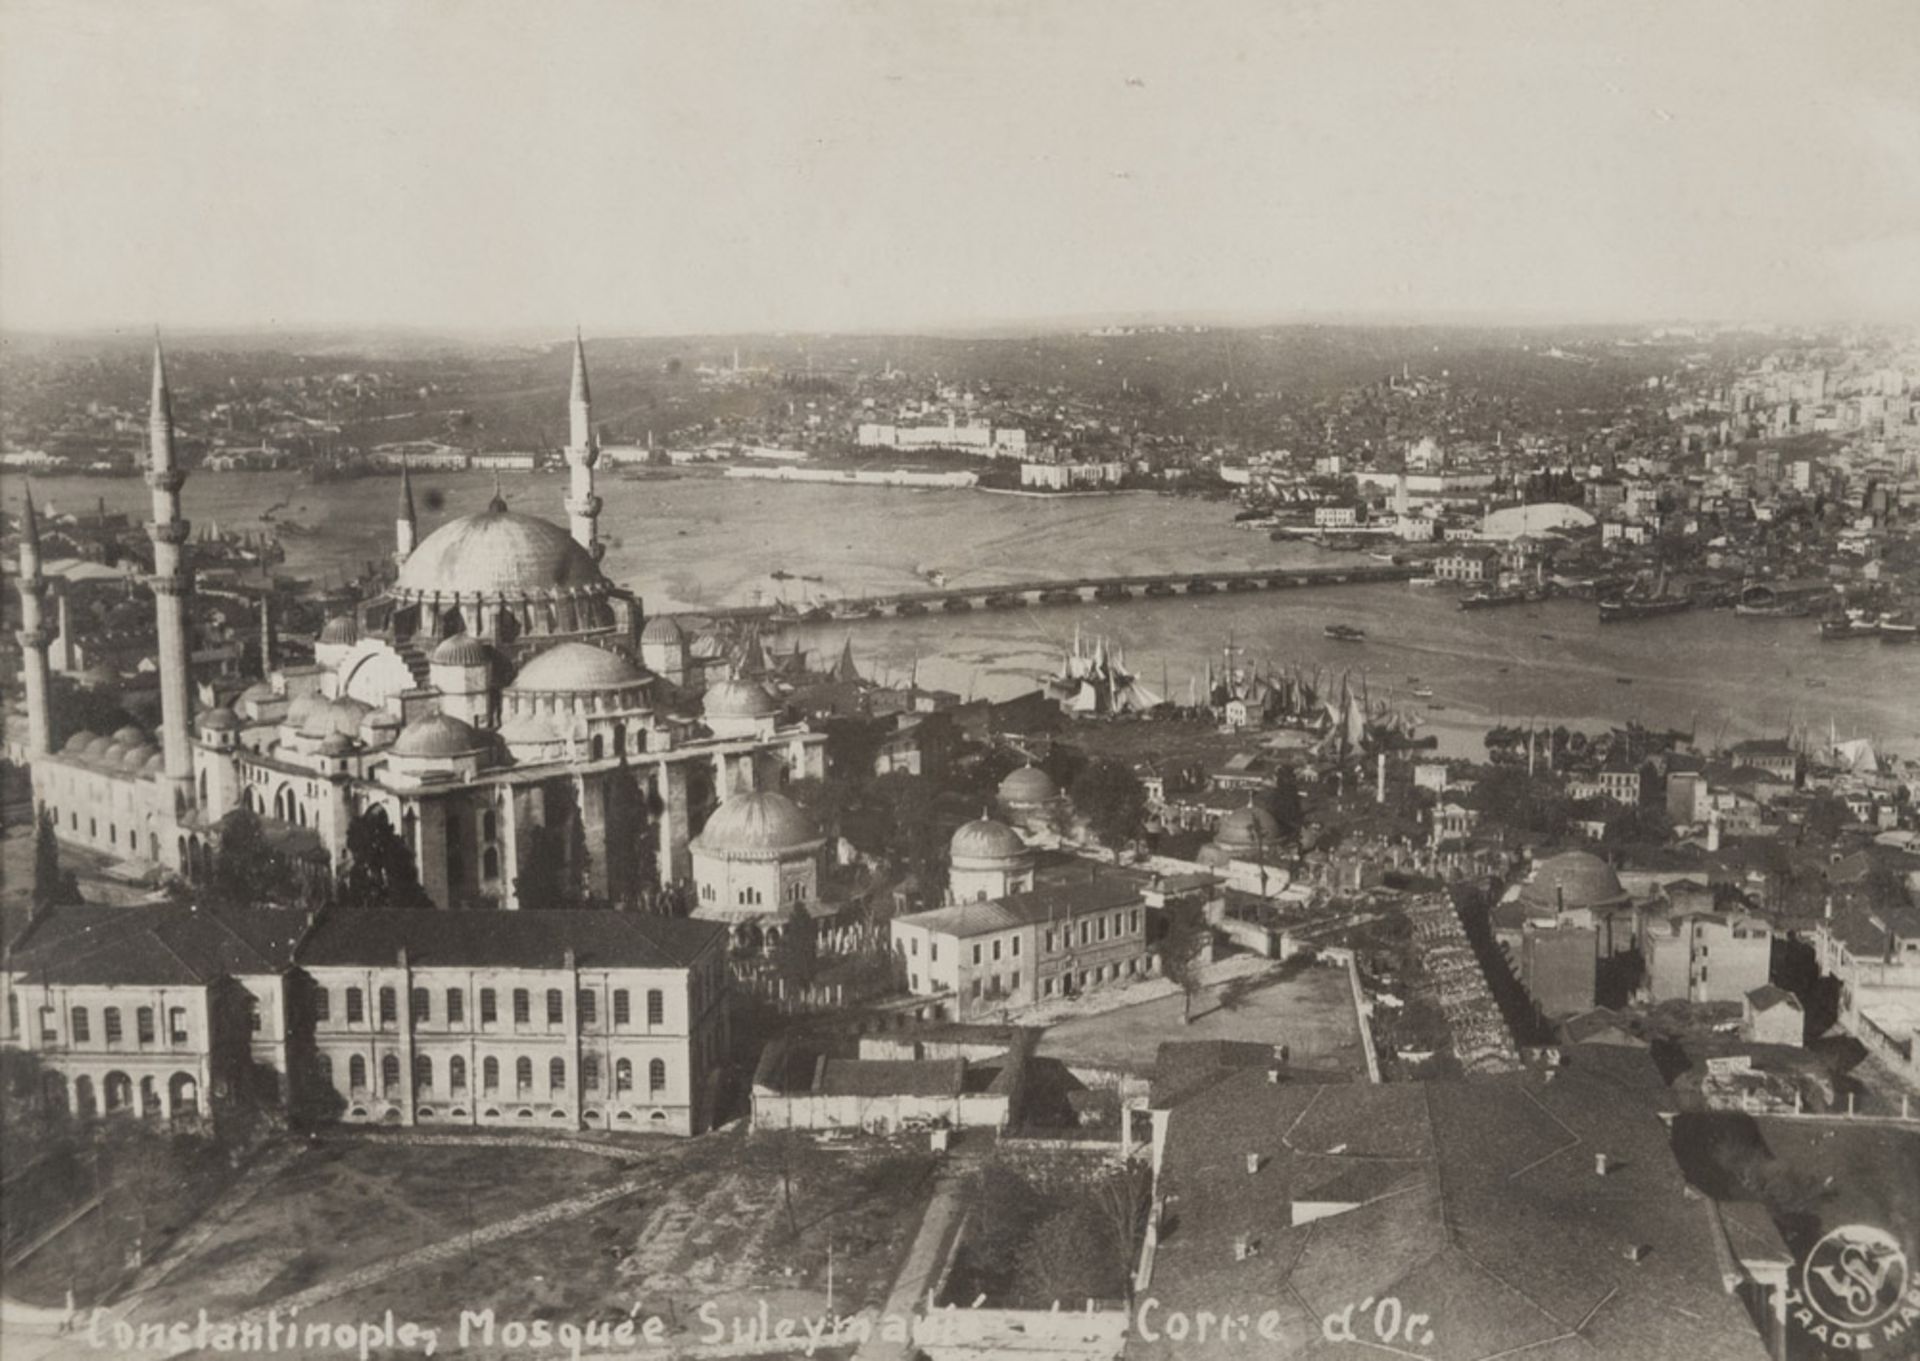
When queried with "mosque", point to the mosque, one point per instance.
{"points": [[512, 712]]}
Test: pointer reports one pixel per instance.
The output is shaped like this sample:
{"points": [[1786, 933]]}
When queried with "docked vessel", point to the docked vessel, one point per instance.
{"points": [[1345, 633], [1852, 624], [1486, 600], [1651, 605], [1893, 628]]}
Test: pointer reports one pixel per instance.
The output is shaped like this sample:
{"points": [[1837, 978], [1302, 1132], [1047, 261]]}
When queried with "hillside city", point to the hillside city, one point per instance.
{"points": [[451, 945]]}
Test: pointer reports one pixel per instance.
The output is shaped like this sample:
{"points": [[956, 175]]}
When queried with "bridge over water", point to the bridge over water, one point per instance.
{"points": [[1071, 590]]}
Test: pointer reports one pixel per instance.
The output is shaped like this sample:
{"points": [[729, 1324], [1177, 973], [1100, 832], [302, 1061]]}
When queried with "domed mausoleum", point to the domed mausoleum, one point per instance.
{"points": [[987, 860], [757, 858]]}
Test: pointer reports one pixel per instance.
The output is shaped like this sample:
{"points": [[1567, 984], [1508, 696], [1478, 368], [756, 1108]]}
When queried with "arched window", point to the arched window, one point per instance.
{"points": [[422, 1006], [598, 745], [81, 1033], [622, 1008], [619, 739], [522, 1077], [656, 1007], [556, 1006], [657, 1076], [143, 1025], [489, 825], [522, 1006], [490, 863], [356, 1006], [456, 1074], [357, 1073], [324, 1062], [390, 1074], [490, 1074], [623, 1075], [422, 1075], [389, 1007], [587, 1005], [456, 1006], [557, 1076], [589, 1072], [110, 1019]]}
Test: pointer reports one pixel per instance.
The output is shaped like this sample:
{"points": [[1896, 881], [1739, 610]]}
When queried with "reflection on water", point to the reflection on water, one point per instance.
{"points": [[703, 541]]}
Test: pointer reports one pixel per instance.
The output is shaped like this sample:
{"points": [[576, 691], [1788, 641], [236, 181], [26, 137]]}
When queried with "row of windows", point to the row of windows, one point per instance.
{"points": [[490, 1075], [80, 1024], [455, 1007], [996, 954], [1094, 929]]}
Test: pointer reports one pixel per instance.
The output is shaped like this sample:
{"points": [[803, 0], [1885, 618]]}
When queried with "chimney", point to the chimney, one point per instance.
{"points": [[1253, 1163], [400, 956], [1599, 1164], [1273, 1076], [1636, 1253], [1244, 1247]]}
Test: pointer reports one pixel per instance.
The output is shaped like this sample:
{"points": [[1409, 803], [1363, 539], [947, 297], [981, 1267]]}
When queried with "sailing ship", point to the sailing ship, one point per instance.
{"points": [[1648, 605], [1093, 682]]}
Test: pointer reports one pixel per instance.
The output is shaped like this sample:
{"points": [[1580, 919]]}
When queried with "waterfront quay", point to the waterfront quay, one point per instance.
{"points": [[1073, 590]]}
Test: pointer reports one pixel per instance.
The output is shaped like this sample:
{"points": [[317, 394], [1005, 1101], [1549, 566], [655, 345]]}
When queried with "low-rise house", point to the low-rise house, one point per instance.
{"points": [[796, 1088], [1772, 1015]]}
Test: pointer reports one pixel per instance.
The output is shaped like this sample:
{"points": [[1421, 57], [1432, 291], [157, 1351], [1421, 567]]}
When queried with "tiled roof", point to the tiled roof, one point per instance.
{"points": [[891, 1077], [1480, 1208], [507, 940], [1768, 996], [153, 946]]}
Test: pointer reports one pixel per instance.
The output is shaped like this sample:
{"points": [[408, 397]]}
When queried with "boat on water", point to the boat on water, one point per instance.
{"points": [[818, 614], [1422, 692], [1644, 605], [1005, 600], [1345, 633], [910, 607], [1159, 588], [959, 604], [1896, 628], [1484, 600], [1852, 624], [1623, 680]]}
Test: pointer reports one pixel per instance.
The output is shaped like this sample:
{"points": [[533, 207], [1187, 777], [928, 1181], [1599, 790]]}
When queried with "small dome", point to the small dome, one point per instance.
{"points": [[258, 693], [155, 764], [299, 708], [1575, 879], [114, 752], [341, 716], [738, 699], [439, 735], [1250, 828], [573, 667], [763, 823], [77, 744], [97, 746], [463, 649], [983, 839], [662, 629], [342, 629], [1027, 786], [136, 758], [337, 744], [219, 720], [131, 735]]}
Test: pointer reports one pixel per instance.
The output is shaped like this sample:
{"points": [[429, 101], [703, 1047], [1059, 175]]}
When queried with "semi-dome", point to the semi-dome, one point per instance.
{"points": [[758, 824], [1028, 785], [343, 716], [574, 667], [735, 698], [77, 744], [97, 745], [300, 707], [984, 840], [439, 735], [337, 744], [663, 629], [1250, 828], [498, 553], [463, 649], [1574, 879], [155, 764], [341, 629]]}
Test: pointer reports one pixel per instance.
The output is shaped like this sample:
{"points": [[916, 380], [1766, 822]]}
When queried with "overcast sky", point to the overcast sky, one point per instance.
{"points": [[694, 167]]}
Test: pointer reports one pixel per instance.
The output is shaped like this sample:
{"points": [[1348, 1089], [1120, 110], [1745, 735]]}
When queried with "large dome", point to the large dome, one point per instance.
{"points": [[1248, 828], [439, 735], [985, 841], [1028, 785], [499, 553], [758, 824], [1573, 880], [578, 666], [738, 699], [342, 716]]}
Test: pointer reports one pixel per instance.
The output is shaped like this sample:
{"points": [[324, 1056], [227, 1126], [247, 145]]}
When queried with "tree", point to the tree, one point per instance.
{"points": [[52, 886], [1068, 1258], [1283, 800], [796, 950], [1112, 800], [380, 870], [246, 869], [1180, 955]]}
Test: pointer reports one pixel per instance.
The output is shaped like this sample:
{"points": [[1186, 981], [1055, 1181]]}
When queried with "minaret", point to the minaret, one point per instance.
{"points": [[406, 524], [172, 584], [35, 636], [583, 451]]}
